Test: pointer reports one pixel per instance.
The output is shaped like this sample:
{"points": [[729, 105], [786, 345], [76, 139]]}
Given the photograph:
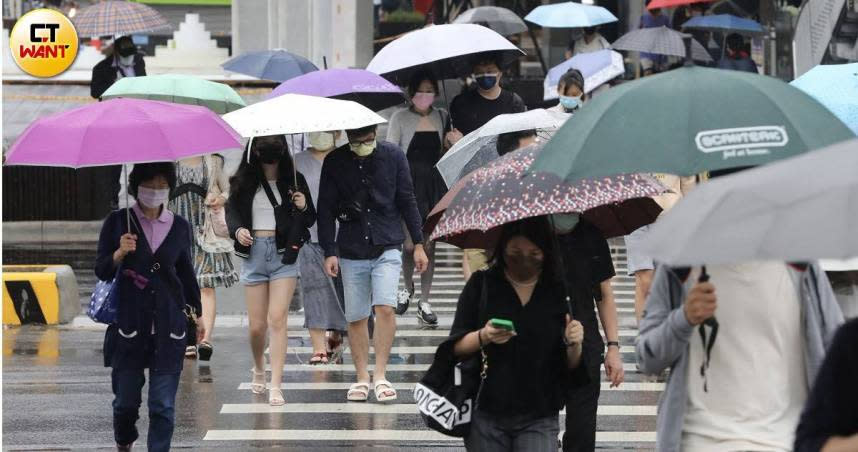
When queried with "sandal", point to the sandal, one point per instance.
{"points": [[275, 400], [205, 350], [256, 386], [319, 358], [358, 392], [380, 394]]}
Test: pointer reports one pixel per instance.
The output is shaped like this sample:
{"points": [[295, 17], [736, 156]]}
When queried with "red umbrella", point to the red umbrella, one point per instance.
{"points": [[471, 213], [656, 4]]}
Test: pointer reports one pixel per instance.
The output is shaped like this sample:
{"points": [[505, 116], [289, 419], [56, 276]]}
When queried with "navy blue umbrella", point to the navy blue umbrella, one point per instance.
{"points": [[277, 65], [725, 23]]}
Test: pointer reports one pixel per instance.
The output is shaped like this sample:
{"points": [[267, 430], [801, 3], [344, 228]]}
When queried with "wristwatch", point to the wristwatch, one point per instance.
{"points": [[614, 343]]}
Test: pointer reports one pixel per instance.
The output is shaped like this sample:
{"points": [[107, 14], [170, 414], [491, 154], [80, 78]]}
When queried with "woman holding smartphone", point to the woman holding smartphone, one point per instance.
{"points": [[261, 240], [530, 340]]}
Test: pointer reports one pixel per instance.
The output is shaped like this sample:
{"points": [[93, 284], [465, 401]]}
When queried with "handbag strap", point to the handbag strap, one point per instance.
{"points": [[270, 193]]}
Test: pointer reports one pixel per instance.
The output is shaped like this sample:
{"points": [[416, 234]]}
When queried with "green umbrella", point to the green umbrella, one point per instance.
{"points": [[687, 121], [180, 89]]}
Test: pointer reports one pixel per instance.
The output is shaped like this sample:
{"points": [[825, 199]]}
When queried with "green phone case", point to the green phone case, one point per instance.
{"points": [[503, 323]]}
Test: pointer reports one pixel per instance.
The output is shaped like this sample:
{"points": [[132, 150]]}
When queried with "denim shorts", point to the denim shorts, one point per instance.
{"points": [[370, 282], [265, 264], [637, 260]]}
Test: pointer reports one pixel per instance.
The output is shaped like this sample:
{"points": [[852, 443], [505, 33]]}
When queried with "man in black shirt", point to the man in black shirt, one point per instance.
{"points": [[589, 269], [366, 186]]}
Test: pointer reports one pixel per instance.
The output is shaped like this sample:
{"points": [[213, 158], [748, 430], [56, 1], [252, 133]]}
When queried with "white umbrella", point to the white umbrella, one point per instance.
{"points": [[457, 158], [296, 113]]}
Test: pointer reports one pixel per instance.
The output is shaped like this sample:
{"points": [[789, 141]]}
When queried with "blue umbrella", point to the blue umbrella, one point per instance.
{"points": [[570, 15], [277, 65], [836, 87], [726, 23], [596, 67]]}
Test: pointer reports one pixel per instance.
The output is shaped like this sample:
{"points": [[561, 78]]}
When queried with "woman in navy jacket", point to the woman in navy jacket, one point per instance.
{"points": [[157, 286]]}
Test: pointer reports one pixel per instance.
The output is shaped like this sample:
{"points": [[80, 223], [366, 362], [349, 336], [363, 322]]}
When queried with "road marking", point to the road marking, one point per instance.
{"points": [[403, 333], [414, 350], [350, 368], [396, 408], [410, 436], [408, 386]]}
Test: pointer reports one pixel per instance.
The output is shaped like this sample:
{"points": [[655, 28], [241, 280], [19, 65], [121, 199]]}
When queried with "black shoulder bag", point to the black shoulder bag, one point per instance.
{"points": [[447, 394], [291, 234]]}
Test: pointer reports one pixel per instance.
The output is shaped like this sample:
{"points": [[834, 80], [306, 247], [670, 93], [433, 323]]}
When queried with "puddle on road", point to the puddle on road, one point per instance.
{"points": [[38, 341]]}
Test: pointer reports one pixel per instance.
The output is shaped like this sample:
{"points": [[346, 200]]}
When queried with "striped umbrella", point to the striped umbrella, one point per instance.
{"points": [[117, 18], [660, 41]]}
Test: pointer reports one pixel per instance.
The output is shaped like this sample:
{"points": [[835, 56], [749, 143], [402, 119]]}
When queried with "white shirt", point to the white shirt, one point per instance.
{"points": [[756, 377], [598, 43], [263, 211]]}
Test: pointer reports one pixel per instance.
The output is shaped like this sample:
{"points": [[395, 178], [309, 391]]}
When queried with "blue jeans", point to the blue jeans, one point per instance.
{"points": [[127, 390], [370, 282]]}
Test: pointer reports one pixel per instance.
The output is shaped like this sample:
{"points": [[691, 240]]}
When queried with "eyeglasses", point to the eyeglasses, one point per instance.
{"points": [[486, 74], [367, 142]]}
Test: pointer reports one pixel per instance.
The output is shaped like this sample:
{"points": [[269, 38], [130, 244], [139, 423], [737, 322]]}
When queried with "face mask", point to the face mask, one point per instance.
{"points": [[270, 154], [152, 197], [521, 267], [363, 149], [570, 102], [321, 141], [127, 51], [422, 101], [486, 81], [126, 61], [564, 223]]}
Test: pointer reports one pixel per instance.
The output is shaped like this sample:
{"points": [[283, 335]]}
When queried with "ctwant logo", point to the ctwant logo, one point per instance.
{"points": [[742, 141], [44, 43]]}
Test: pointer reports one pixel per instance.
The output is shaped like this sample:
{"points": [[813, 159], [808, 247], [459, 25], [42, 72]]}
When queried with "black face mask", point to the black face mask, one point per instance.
{"points": [[270, 154], [521, 267], [127, 51]]}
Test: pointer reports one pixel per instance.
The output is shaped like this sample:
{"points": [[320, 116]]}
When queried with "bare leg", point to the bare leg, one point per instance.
{"points": [[385, 329], [256, 297], [318, 339], [643, 279], [408, 263], [359, 344], [279, 298], [207, 297], [429, 274]]}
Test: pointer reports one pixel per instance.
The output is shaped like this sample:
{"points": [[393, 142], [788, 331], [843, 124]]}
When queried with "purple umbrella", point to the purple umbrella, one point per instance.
{"points": [[358, 85]]}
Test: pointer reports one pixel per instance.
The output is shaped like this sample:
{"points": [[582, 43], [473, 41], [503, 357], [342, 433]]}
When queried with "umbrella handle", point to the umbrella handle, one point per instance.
{"points": [[704, 276], [127, 206], [558, 261]]}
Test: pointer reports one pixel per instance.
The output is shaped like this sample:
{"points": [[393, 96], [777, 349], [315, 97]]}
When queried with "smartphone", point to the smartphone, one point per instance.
{"points": [[503, 324]]}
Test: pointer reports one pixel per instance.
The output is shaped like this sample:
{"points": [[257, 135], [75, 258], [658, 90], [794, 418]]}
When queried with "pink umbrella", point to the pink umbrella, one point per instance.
{"points": [[120, 131]]}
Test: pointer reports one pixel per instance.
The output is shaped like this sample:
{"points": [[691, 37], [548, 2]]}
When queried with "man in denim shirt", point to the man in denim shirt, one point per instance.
{"points": [[366, 186]]}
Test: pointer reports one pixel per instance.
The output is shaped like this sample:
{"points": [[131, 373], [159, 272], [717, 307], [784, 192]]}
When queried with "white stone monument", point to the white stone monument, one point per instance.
{"points": [[191, 50]]}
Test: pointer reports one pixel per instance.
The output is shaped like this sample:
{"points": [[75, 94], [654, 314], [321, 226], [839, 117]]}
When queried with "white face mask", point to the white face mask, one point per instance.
{"points": [[153, 197], [321, 141]]}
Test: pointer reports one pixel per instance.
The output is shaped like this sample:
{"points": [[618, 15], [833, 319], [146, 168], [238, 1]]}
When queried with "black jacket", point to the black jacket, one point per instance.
{"points": [[104, 74], [239, 213]]}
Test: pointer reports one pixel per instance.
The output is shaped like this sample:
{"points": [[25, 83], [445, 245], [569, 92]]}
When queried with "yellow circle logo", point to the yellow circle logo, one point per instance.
{"points": [[44, 43]]}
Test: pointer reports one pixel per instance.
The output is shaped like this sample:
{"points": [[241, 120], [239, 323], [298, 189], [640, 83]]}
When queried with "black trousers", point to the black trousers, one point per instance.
{"points": [[581, 405]]}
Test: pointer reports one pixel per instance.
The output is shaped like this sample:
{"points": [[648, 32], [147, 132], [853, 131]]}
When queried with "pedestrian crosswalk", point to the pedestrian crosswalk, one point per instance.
{"points": [[317, 415]]}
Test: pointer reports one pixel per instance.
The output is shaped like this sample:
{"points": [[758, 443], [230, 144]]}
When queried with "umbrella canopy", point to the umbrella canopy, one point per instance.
{"points": [[445, 50], [277, 65], [296, 113], [570, 15], [358, 85], [122, 131], [501, 193], [180, 89], [687, 121], [800, 209], [725, 23], [658, 4], [836, 87], [457, 158], [597, 68], [660, 41], [501, 20], [116, 18]]}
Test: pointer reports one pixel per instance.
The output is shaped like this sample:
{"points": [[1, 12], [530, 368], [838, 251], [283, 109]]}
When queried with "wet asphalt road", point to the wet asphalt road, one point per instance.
{"points": [[56, 394]]}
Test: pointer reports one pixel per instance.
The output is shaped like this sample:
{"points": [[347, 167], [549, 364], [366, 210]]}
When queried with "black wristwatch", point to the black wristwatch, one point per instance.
{"points": [[614, 343]]}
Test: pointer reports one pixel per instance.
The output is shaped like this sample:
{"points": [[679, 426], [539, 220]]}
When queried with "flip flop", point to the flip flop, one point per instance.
{"points": [[380, 394], [358, 392]]}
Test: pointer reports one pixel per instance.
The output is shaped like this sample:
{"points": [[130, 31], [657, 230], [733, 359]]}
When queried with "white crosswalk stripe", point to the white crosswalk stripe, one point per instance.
{"points": [[627, 412]]}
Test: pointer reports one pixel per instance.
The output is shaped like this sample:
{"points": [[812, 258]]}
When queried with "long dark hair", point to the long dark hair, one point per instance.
{"points": [[538, 231], [250, 174]]}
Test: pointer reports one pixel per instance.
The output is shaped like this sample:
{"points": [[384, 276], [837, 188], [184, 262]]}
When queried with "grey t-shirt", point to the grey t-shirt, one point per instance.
{"points": [[311, 168]]}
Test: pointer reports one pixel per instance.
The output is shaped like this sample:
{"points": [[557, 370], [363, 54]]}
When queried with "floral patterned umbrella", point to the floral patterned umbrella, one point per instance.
{"points": [[500, 193]]}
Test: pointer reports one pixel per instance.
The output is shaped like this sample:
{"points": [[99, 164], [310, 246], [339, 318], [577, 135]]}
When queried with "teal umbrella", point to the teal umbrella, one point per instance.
{"points": [[180, 89], [687, 121]]}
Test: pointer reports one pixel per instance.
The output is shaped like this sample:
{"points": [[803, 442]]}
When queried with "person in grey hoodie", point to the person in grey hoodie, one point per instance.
{"points": [[745, 390]]}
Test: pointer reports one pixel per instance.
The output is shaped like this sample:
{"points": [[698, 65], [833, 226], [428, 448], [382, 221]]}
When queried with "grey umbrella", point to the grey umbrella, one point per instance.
{"points": [[501, 20], [798, 209], [660, 41]]}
